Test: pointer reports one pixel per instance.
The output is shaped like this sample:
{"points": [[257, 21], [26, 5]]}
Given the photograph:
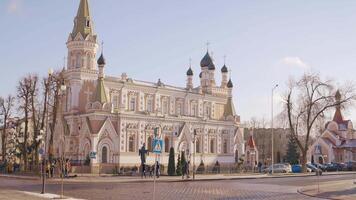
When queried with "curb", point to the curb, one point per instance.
{"points": [[172, 180], [19, 177], [300, 191]]}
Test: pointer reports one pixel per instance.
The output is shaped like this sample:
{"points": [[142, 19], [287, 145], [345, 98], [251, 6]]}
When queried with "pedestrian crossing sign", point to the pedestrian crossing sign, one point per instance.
{"points": [[157, 146]]}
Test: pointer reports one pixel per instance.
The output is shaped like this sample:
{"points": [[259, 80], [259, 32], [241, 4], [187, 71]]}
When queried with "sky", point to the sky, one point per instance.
{"points": [[265, 42]]}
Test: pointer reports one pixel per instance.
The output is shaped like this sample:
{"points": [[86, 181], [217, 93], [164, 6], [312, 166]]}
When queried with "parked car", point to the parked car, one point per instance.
{"points": [[288, 166], [320, 166], [314, 169], [350, 166], [332, 167], [278, 168], [298, 169]]}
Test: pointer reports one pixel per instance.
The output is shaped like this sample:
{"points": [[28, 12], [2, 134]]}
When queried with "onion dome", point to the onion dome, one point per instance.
{"points": [[190, 72], [101, 60], [229, 84], [206, 61], [224, 69], [211, 66], [200, 75]]}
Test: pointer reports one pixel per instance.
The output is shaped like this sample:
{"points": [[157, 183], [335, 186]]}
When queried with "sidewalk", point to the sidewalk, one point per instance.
{"points": [[13, 194], [340, 190]]}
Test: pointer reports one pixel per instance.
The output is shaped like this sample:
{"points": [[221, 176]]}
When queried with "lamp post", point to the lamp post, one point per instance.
{"points": [[195, 149], [50, 72], [272, 125], [63, 89]]}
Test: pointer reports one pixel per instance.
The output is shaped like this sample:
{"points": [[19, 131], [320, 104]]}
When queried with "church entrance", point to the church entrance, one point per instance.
{"points": [[184, 149]]}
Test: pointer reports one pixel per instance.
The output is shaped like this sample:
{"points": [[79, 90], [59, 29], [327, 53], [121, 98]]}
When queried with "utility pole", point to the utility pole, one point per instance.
{"points": [[272, 126]]}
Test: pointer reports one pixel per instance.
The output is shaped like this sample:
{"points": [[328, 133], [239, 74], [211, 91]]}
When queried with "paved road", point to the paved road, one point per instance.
{"points": [[267, 188]]}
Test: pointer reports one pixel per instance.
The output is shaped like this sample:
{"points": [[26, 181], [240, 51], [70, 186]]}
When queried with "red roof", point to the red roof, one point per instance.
{"points": [[338, 116], [251, 142]]}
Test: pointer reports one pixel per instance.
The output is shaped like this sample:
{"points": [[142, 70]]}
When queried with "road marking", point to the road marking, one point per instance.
{"points": [[49, 196]]}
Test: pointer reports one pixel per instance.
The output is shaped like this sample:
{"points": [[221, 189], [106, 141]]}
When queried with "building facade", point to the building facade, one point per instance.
{"points": [[263, 140], [338, 141], [114, 116]]}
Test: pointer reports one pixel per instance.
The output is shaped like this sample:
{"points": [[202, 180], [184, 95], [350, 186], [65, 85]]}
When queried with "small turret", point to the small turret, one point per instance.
{"points": [[190, 79], [224, 74], [101, 64], [100, 88]]}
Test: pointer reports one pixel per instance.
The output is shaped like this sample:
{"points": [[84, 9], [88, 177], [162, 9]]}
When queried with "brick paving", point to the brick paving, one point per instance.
{"points": [[267, 188]]}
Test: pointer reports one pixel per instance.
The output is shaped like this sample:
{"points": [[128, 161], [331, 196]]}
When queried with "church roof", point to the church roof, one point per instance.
{"points": [[100, 91], [229, 84], [229, 108], [101, 60], [224, 69], [338, 116], [190, 72], [251, 142], [83, 23], [206, 61]]}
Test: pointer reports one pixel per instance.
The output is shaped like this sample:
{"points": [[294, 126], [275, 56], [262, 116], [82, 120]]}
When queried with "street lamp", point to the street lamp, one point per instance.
{"points": [[50, 73], [272, 124], [63, 90]]}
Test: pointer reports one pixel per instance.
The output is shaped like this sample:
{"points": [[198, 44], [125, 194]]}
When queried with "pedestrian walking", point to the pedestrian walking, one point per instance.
{"points": [[188, 169], [259, 165], [52, 169], [143, 174], [157, 169]]}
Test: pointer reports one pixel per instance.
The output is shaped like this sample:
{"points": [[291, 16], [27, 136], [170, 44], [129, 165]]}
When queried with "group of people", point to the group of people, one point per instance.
{"points": [[150, 170], [56, 165]]}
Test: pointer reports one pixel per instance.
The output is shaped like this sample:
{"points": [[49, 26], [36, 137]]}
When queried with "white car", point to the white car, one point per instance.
{"points": [[279, 168]]}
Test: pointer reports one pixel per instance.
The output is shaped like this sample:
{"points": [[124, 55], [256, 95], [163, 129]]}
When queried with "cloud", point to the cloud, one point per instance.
{"points": [[294, 62], [14, 6]]}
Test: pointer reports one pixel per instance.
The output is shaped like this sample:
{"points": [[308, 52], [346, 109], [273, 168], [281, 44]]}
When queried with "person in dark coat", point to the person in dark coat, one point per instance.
{"points": [[157, 169]]}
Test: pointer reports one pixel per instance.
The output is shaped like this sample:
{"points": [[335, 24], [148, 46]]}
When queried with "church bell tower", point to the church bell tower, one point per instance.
{"points": [[82, 42]]}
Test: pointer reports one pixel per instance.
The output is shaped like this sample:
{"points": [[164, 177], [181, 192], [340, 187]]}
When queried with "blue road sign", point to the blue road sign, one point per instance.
{"points": [[157, 146]]}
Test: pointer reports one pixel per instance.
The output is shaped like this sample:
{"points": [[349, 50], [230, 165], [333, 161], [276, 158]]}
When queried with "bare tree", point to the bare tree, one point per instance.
{"points": [[306, 102], [35, 119], [6, 106], [54, 91], [24, 95]]}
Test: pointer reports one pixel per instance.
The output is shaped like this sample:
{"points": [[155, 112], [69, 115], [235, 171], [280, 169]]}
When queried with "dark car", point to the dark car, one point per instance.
{"points": [[320, 166], [314, 169], [350, 166], [332, 167]]}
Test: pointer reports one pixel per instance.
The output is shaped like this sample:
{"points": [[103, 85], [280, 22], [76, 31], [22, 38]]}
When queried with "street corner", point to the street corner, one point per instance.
{"points": [[340, 190]]}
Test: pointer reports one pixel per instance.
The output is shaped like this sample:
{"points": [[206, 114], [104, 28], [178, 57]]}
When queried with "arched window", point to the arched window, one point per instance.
{"points": [[104, 155], [164, 106], [212, 146], [149, 106], [78, 61], [149, 143], [166, 144], [225, 146], [132, 103], [131, 144], [197, 145], [194, 109]]}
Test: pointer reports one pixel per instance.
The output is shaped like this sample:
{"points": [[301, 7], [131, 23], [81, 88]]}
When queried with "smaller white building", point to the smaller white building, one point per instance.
{"points": [[337, 143]]}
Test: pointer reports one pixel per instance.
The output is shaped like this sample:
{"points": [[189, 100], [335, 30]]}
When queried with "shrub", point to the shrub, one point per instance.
{"points": [[171, 163]]}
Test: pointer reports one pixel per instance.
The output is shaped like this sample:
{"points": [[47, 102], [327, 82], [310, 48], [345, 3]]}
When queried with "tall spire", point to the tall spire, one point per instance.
{"points": [[338, 115], [82, 22]]}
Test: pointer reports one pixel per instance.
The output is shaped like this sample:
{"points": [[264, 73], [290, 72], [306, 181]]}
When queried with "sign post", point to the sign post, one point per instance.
{"points": [[157, 149]]}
